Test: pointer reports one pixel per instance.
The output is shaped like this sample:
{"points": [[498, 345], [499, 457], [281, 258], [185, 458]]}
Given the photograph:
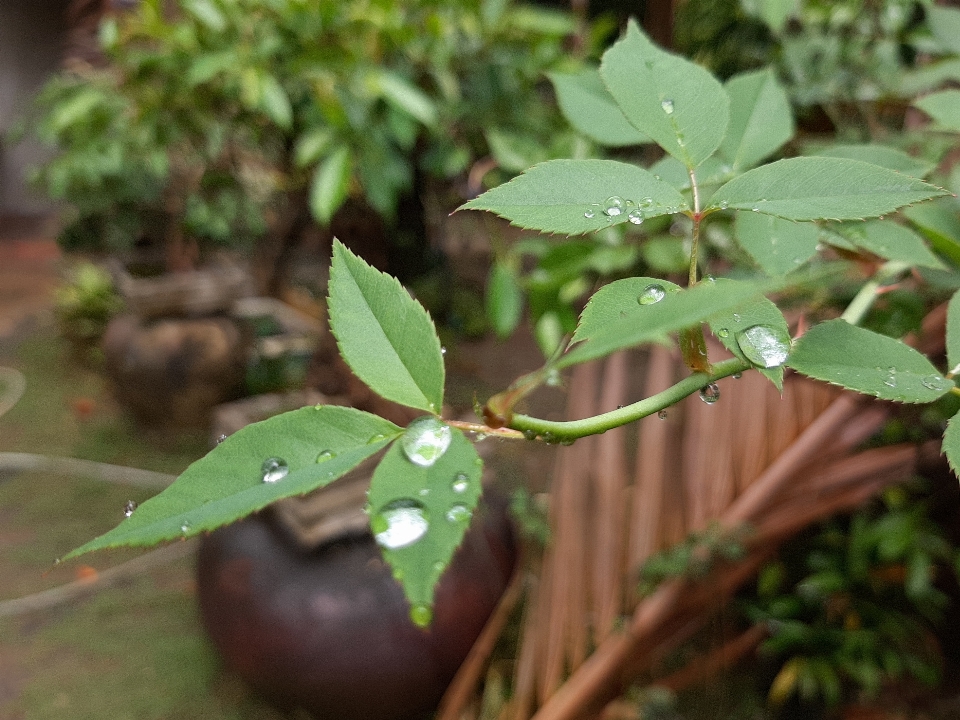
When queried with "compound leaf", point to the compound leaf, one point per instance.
{"points": [[822, 188], [681, 106], [386, 337], [316, 444], [867, 362], [580, 196]]}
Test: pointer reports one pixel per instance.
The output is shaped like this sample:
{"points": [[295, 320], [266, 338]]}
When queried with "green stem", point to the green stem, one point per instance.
{"points": [[864, 299], [572, 429], [695, 244]]}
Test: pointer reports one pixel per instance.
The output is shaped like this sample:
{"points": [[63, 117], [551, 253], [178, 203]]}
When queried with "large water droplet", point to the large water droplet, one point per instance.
{"points": [[274, 469], [651, 294], [400, 523], [425, 440], [710, 393], [934, 382], [459, 513], [763, 346], [421, 615], [613, 206], [324, 456], [129, 507], [461, 481], [667, 105], [635, 217]]}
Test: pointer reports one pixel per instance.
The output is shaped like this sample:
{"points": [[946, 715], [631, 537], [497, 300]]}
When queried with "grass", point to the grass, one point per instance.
{"points": [[135, 650]]}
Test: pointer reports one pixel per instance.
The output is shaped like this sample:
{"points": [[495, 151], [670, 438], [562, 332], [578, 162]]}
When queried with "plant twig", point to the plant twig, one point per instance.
{"points": [[29, 462]]}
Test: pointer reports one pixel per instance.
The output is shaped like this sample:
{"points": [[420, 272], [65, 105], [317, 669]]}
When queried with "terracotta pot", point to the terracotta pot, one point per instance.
{"points": [[328, 630]]}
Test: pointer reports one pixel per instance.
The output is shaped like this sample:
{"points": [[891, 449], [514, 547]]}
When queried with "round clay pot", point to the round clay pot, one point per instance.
{"points": [[329, 630], [172, 372]]}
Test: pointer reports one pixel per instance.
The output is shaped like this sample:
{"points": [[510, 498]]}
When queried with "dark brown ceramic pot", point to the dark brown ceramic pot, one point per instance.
{"points": [[329, 630]]}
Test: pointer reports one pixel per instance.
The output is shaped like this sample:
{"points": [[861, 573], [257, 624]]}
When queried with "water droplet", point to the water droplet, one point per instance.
{"points": [[710, 393], [324, 456], [667, 105], [755, 208], [400, 523], [635, 217], [461, 482], [567, 441], [651, 294], [423, 492], [221, 439], [645, 203], [662, 414], [421, 615], [736, 316], [185, 528], [737, 376], [439, 567], [934, 382], [891, 379], [723, 332], [459, 513], [763, 346], [530, 434], [549, 438], [724, 204], [425, 440], [129, 507], [589, 214], [274, 469], [376, 438], [613, 206], [443, 350]]}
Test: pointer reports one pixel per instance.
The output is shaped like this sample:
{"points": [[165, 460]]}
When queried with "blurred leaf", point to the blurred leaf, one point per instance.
{"points": [[311, 146], [504, 299], [404, 95], [881, 155], [943, 107], [944, 23], [893, 241], [331, 182], [778, 246], [761, 119], [590, 108], [275, 103]]}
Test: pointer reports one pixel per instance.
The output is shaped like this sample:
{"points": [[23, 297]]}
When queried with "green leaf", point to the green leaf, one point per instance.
{"points": [[881, 155], [386, 336], [929, 77], [207, 13], [204, 68], [514, 152], [774, 13], [939, 223], [893, 241], [822, 188], [312, 145], [778, 246], [620, 299], [504, 299], [318, 444], [274, 102], [953, 334], [331, 183], [943, 107], [590, 108], [405, 96], [951, 443], [867, 362], [944, 23], [580, 196], [677, 103], [761, 119], [419, 513], [675, 311], [756, 333]]}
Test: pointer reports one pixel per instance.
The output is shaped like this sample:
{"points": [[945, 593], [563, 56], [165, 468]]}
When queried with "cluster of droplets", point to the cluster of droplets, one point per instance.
{"points": [[129, 507], [615, 206]]}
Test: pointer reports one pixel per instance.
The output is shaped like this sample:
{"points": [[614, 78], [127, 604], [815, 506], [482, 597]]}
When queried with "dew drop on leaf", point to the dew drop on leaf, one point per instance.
{"points": [[221, 439], [651, 294], [589, 214], [934, 382], [723, 332], [400, 523], [421, 615], [185, 528], [273, 469], [667, 105], [724, 204], [129, 508], [461, 482], [763, 346], [710, 393], [891, 377], [376, 438], [645, 203], [425, 440], [635, 217], [459, 513], [613, 206], [324, 456]]}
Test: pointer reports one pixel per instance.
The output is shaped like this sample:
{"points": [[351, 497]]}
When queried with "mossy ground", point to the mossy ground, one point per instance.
{"points": [[134, 650]]}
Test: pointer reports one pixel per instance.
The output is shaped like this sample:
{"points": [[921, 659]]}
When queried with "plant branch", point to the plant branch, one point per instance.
{"points": [[567, 431], [868, 294], [695, 246]]}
